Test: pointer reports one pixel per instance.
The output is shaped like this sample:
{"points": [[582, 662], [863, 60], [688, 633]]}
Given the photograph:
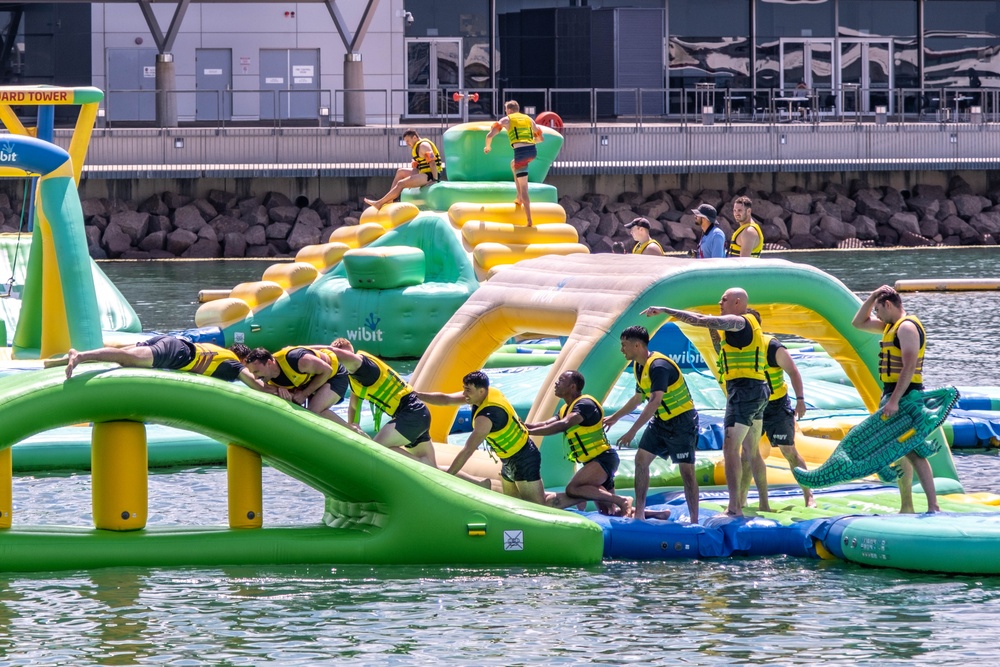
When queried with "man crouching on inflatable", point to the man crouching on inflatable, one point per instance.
{"points": [[900, 368], [581, 419]]}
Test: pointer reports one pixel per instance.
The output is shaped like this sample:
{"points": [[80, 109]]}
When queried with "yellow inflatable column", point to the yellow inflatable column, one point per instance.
{"points": [[246, 496], [6, 488], [120, 469]]}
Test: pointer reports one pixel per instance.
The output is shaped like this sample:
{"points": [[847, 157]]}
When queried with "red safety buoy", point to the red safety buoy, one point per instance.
{"points": [[456, 96], [549, 119]]}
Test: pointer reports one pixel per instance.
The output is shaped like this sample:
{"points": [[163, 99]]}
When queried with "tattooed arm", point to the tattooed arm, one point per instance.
{"points": [[721, 322]]}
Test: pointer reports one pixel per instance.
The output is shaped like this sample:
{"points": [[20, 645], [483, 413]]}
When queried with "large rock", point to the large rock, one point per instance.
{"points": [[848, 208], [836, 229], [927, 190], [303, 235], [866, 228], [205, 208], [608, 224], [869, 204], [986, 223], [581, 225], [115, 241], [189, 218], [893, 199], [596, 201], [207, 233], [92, 207], [278, 230], [967, 205], [203, 249], [955, 226], [905, 222], [154, 205], [799, 225], [587, 213], [180, 240], [272, 199], [222, 200], [283, 214], [711, 197], [154, 241], [225, 224], [679, 232], [796, 202], [924, 206], [257, 236], [308, 216], [774, 230], [133, 223], [825, 207], [653, 209], [234, 245], [804, 242], [570, 205], [946, 208], [930, 227], [631, 199], [958, 186], [175, 200], [682, 199], [763, 209]]}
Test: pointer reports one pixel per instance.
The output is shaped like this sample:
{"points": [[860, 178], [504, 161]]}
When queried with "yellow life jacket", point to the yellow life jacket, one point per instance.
{"points": [[386, 392], [519, 131], [513, 436], [298, 378], [208, 357], [423, 166], [890, 357], [585, 442], [775, 374], [639, 248], [676, 399], [734, 247], [747, 362]]}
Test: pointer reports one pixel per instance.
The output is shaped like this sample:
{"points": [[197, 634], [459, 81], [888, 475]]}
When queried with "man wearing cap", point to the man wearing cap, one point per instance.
{"points": [[713, 239], [644, 245], [748, 239]]}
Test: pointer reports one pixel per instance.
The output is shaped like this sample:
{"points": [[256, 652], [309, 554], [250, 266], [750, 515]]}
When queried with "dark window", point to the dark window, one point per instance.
{"points": [[795, 18], [878, 18]]}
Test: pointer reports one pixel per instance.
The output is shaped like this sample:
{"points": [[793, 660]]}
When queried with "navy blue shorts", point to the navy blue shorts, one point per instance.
{"points": [[169, 352], [779, 422], [608, 460]]}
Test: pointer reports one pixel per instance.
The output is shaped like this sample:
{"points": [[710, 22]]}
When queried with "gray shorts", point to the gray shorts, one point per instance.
{"points": [[675, 439], [746, 401]]}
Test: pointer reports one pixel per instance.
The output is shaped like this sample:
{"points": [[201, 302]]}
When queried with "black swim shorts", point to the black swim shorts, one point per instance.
{"points": [[524, 466], [676, 439]]}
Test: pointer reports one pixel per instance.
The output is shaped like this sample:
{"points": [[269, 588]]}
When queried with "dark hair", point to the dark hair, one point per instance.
{"points": [[477, 379], [258, 355], [743, 199], [240, 350], [411, 133], [618, 248], [576, 377], [751, 311], [636, 332], [890, 297]]}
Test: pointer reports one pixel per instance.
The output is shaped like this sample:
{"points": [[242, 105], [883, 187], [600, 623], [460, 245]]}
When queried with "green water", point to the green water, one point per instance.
{"points": [[775, 611]]}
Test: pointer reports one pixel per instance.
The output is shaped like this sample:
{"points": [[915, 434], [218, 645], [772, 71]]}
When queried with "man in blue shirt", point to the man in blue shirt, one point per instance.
{"points": [[713, 239]]}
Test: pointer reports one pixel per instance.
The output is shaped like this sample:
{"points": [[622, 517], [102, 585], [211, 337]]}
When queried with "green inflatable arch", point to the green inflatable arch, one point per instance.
{"points": [[387, 509]]}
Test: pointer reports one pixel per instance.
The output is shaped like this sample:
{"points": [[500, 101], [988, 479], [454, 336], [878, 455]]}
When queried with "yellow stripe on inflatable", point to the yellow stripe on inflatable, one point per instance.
{"points": [[489, 255], [291, 276], [476, 231], [541, 213], [391, 215], [222, 313], [258, 293], [323, 256], [949, 285], [357, 236]]}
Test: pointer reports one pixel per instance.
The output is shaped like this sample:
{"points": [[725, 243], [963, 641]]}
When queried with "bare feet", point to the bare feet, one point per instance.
{"points": [[661, 515], [373, 203], [733, 513], [810, 501], [626, 507], [72, 359]]}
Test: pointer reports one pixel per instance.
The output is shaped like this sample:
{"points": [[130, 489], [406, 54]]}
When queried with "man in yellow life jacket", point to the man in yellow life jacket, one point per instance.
{"points": [[748, 239], [743, 357], [523, 135], [495, 422], [779, 415], [673, 420], [644, 244], [305, 375], [427, 167], [407, 430], [168, 353], [581, 419], [901, 365]]}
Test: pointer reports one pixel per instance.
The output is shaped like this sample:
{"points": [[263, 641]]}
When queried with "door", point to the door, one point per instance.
{"points": [[807, 67], [433, 73], [131, 85], [289, 83], [214, 81], [865, 74]]}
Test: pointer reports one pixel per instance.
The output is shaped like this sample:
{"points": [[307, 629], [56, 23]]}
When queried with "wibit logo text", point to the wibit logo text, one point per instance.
{"points": [[368, 332]]}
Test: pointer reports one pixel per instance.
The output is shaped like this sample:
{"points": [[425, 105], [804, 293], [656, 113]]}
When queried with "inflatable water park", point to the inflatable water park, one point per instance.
{"points": [[451, 275]]}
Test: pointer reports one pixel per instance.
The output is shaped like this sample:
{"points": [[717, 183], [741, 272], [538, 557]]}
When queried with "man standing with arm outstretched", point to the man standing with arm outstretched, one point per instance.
{"points": [[523, 135], [743, 357]]}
